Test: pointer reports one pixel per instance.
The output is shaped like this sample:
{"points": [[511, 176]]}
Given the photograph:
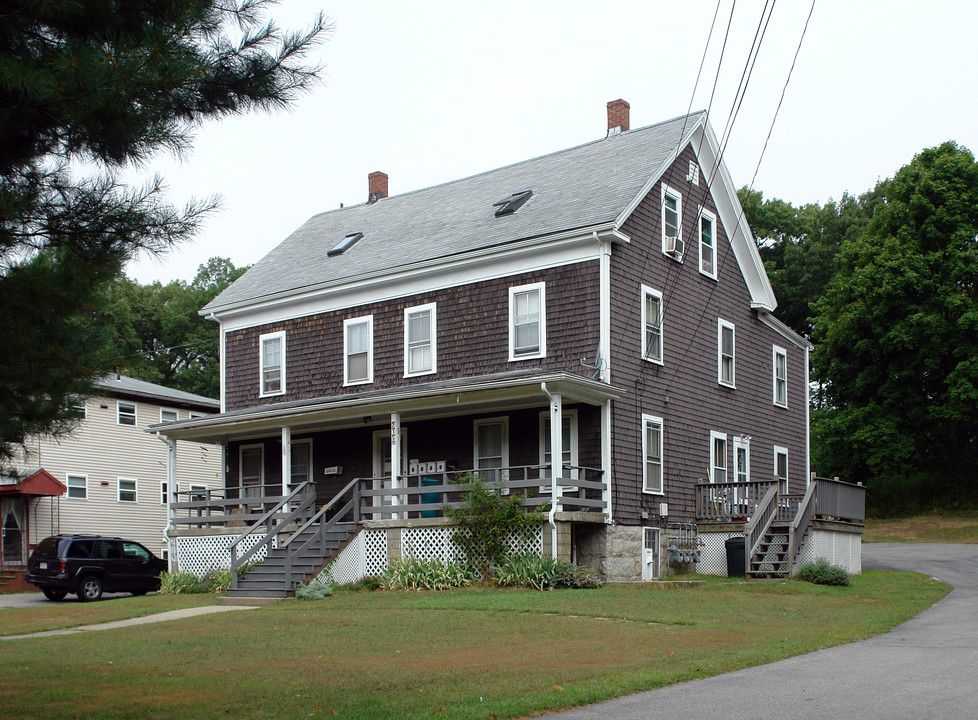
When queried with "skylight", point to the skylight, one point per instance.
{"points": [[345, 244], [510, 204]]}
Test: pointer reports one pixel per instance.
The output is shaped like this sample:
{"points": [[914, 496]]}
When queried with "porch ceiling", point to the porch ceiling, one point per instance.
{"points": [[509, 391]]}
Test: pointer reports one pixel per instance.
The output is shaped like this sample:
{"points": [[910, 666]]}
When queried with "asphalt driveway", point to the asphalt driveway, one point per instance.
{"points": [[926, 668]]}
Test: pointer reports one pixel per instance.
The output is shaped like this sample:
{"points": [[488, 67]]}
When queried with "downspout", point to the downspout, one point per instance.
{"points": [[556, 462], [171, 486]]}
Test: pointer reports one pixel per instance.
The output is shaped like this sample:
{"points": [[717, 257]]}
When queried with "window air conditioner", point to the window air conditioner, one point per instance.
{"points": [[674, 245]]}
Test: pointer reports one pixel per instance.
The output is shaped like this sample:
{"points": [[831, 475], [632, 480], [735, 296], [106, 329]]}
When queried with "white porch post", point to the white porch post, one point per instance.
{"points": [[171, 488], [286, 459], [396, 457], [606, 456], [556, 462]]}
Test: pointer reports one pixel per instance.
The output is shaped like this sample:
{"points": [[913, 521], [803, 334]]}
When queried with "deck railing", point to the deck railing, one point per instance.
{"points": [[839, 500], [729, 501]]}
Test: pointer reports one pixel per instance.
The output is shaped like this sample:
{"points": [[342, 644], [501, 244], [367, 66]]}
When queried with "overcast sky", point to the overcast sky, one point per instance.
{"points": [[430, 92]]}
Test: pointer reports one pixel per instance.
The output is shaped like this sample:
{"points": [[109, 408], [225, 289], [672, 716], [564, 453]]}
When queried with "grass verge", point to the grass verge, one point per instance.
{"points": [[71, 613], [932, 527], [478, 653]]}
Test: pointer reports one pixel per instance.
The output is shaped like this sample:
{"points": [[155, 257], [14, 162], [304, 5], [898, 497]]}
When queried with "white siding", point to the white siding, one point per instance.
{"points": [[105, 451]]}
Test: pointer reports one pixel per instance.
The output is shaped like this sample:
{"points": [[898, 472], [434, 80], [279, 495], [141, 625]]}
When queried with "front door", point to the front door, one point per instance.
{"points": [[382, 468], [650, 553], [12, 534]]}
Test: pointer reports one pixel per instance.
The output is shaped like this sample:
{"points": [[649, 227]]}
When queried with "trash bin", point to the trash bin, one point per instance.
{"points": [[736, 556], [427, 498]]}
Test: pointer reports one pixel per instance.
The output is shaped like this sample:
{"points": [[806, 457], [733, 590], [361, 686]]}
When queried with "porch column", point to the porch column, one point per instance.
{"points": [[396, 457], [606, 456], [556, 462], [171, 488], [286, 460]]}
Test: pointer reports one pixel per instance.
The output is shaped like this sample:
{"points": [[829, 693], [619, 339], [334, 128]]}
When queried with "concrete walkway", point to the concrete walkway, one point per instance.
{"points": [[926, 668], [158, 617]]}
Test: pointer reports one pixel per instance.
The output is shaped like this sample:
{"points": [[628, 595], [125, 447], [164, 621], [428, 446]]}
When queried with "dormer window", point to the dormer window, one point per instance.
{"points": [[345, 244], [512, 203]]}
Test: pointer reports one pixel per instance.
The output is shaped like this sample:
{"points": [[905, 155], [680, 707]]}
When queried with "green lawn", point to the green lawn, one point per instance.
{"points": [[478, 653], [934, 527]]}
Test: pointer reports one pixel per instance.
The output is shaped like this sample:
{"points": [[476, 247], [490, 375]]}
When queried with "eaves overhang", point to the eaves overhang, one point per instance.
{"points": [[507, 391]]}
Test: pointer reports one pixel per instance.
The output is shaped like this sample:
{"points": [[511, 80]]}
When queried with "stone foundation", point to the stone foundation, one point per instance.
{"points": [[615, 551]]}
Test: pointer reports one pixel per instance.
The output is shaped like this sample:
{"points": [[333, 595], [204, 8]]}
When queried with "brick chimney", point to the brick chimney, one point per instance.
{"points": [[618, 121], [376, 187]]}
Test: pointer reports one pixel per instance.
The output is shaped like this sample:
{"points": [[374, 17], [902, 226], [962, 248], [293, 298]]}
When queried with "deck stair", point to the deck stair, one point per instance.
{"points": [[772, 556], [270, 578]]}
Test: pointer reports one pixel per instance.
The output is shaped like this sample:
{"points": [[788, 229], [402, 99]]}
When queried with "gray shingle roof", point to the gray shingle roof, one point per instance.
{"points": [[152, 391], [580, 187]]}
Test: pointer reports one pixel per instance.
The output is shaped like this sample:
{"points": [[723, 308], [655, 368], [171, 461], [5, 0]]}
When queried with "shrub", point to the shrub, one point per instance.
{"points": [[821, 573], [314, 590], [365, 584], [540, 573], [413, 574], [181, 583]]}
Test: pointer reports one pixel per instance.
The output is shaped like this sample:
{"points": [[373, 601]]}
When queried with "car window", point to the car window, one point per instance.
{"points": [[109, 549], [135, 551], [81, 548], [48, 546]]}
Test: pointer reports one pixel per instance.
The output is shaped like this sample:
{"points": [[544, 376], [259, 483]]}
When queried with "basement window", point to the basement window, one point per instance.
{"points": [[345, 244], [510, 204]]}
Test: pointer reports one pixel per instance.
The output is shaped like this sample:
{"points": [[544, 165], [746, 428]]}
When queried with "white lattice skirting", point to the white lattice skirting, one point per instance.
{"points": [[838, 548], [713, 554], [202, 554]]}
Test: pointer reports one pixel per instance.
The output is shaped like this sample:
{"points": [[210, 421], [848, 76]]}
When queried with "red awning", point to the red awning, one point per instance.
{"points": [[39, 482]]}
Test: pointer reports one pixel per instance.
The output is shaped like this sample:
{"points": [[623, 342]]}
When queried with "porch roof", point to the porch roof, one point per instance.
{"points": [[34, 483], [461, 396]]}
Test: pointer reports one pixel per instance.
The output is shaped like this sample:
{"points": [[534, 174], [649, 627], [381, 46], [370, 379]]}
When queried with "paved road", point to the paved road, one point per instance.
{"points": [[926, 668]]}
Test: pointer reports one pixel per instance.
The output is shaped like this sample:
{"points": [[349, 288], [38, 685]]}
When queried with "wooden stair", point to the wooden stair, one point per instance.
{"points": [[772, 558]]}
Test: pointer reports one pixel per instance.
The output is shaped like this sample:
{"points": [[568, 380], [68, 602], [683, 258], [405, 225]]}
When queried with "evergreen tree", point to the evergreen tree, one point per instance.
{"points": [[86, 89]]}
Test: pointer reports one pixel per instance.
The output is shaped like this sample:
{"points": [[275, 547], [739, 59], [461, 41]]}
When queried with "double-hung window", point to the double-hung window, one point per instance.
{"points": [[77, 487], [420, 356], [168, 415], [491, 447], [652, 455], [527, 322], [708, 255], [651, 325], [780, 376], [358, 341], [725, 353], [126, 413], [272, 363], [672, 216], [718, 457], [127, 490], [301, 464]]}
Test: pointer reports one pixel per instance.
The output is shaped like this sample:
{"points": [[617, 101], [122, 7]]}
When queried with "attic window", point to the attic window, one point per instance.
{"points": [[345, 244], [510, 204]]}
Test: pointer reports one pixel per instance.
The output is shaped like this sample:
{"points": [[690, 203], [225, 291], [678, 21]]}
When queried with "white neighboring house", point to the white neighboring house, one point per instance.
{"points": [[115, 471]]}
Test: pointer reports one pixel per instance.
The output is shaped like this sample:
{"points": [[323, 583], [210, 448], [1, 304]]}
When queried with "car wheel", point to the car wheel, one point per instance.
{"points": [[54, 594], [89, 589]]}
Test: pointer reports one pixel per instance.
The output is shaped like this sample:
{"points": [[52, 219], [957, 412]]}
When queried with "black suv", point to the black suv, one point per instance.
{"points": [[88, 564]]}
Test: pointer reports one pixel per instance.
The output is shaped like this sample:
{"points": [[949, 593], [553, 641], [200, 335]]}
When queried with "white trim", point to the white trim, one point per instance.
{"points": [[368, 320], [503, 421], [646, 291], [700, 215], [783, 330], [808, 425], [68, 485], [606, 464], [223, 366], [432, 310], [714, 436], [666, 190], [646, 421], [118, 413], [604, 311], [721, 326], [778, 450], [741, 442], [269, 338], [541, 289], [135, 489], [176, 414], [777, 352]]}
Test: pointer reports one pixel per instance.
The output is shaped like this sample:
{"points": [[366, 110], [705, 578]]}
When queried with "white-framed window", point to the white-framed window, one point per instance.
{"points": [[126, 413], [490, 446], [420, 340], [79, 408], [127, 490], [568, 441], [780, 364], [725, 353], [741, 447], [301, 461], [652, 475], [163, 489], [781, 468], [77, 487], [198, 493], [718, 457], [167, 415], [251, 470], [272, 357], [358, 354], [651, 325], [672, 222], [527, 322], [708, 244]]}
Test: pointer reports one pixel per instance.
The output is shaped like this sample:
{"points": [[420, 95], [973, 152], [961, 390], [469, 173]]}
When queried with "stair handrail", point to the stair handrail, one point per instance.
{"points": [[293, 551], [265, 519], [802, 522], [760, 521]]}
